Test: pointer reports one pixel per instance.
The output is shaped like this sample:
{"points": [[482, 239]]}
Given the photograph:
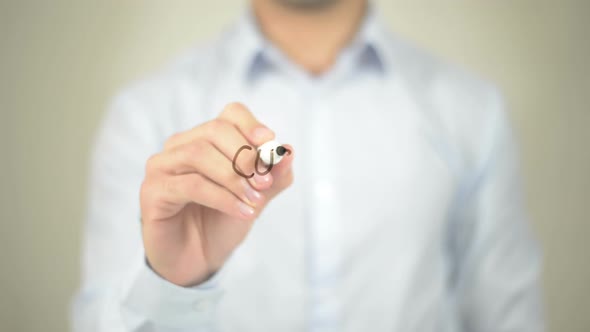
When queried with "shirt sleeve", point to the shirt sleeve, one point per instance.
{"points": [[167, 305], [499, 260], [119, 291]]}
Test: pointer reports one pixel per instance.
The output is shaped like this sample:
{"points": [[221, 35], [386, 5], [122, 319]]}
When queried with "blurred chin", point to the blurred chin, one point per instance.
{"points": [[307, 4]]}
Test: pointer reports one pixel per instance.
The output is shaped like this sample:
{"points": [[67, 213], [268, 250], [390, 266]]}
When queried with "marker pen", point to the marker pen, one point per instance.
{"points": [[272, 147]]}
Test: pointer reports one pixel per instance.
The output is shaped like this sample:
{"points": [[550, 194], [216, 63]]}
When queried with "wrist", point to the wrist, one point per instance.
{"points": [[181, 277]]}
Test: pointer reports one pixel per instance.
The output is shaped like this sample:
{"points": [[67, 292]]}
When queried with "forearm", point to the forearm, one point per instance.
{"points": [[137, 299]]}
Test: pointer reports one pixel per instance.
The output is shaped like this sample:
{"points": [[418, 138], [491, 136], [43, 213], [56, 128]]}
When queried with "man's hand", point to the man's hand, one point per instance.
{"points": [[195, 208]]}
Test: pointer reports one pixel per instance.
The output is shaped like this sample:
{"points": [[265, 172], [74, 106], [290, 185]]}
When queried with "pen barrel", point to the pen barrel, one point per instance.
{"points": [[271, 152]]}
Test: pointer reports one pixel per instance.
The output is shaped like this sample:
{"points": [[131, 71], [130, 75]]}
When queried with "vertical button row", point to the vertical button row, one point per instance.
{"points": [[323, 229]]}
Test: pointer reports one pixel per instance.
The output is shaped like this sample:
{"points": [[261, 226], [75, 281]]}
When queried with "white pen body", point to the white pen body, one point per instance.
{"points": [[268, 153]]}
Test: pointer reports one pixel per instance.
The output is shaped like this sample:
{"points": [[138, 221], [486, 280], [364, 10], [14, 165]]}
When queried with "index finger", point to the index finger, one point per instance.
{"points": [[254, 131]]}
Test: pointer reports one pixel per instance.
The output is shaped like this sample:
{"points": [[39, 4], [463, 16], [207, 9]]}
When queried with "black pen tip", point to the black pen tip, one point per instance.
{"points": [[281, 150]]}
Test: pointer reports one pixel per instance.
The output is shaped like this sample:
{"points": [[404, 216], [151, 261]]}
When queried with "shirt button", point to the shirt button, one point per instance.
{"points": [[202, 305]]}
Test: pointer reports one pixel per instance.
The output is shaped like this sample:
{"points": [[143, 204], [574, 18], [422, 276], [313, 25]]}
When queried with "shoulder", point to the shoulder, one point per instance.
{"points": [[463, 110], [163, 98], [189, 69]]}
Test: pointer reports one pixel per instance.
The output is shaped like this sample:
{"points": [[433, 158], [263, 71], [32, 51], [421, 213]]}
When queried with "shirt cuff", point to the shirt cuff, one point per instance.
{"points": [[166, 304]]}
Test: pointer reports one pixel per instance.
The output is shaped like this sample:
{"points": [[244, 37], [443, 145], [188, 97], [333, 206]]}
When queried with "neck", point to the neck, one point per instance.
{"points": [[310, 37]]}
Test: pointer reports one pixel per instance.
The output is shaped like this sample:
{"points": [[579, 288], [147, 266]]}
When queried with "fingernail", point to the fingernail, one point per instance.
{"points": [[245, 209], [262, 134], [251, 194], [262, 179]]}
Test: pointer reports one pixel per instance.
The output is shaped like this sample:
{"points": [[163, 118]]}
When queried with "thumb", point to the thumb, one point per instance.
{"points": [[282, 173]]}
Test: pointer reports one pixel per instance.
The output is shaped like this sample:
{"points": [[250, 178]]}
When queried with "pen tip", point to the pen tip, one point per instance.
{"points": [[281, 150]]}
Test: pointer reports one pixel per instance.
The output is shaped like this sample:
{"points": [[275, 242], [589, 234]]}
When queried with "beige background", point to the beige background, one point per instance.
{"points": [[62, 60]]}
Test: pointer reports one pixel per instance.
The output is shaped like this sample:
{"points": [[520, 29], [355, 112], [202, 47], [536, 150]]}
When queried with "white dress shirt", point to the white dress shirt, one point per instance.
{"points": [[405, 213]]}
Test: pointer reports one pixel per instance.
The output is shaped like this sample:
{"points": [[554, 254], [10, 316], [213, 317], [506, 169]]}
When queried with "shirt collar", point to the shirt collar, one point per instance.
{"points": [[371, 42], [249, 50]]}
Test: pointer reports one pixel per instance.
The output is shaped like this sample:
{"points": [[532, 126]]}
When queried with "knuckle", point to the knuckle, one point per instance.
{"points": [[169, 185], [147, 192], [151, 163], [181, 155], [198, 150], [234, 107], [216, 126], [172, 140], [213, 125], [192, 153]]}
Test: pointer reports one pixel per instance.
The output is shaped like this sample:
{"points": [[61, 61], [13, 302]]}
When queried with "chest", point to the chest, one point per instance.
{"points": [[369, 201]]}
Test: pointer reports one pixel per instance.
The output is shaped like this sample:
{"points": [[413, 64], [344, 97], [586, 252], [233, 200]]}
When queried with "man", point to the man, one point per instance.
{"points": [[398, 209]]}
